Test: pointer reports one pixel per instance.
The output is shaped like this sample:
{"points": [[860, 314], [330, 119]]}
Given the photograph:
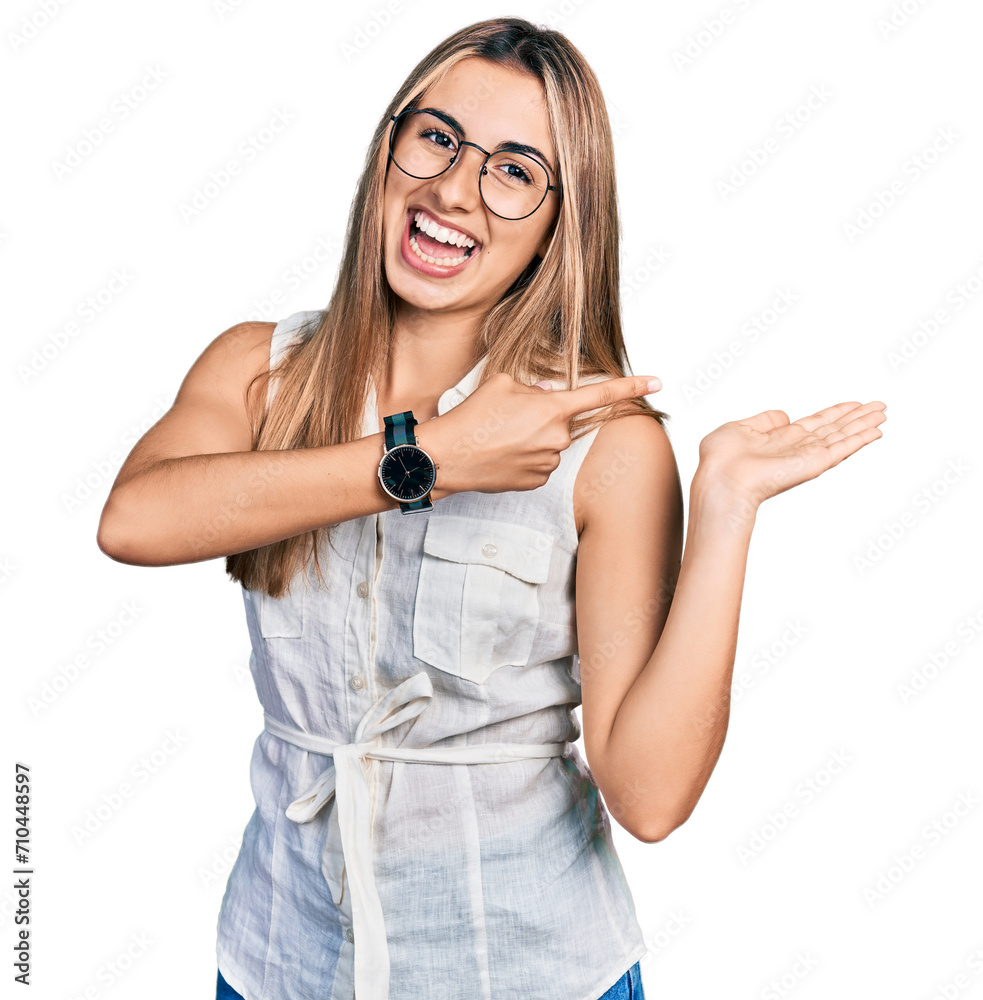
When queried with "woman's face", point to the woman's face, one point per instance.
{"points": [[493, 104]]}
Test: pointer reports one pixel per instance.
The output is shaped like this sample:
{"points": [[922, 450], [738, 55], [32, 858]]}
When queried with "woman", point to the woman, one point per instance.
{"points": [[424, 824]]}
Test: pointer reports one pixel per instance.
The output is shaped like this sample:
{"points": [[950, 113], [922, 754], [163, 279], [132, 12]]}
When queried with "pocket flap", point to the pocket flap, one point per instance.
{"points": [[518, 549]]}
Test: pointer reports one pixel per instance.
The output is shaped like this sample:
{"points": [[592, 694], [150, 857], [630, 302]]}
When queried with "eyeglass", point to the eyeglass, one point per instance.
{"points": [[512, 184]]}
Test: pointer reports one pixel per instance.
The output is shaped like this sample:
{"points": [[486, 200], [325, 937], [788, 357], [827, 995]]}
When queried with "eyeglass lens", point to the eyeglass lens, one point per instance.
{"points": [[512, 184]]}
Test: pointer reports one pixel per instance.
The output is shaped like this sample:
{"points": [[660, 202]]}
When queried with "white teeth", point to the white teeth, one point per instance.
{"points": [[442, 261], [440, 233]]}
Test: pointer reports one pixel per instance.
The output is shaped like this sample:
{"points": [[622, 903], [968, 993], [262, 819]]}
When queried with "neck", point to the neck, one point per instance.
{"points": [[430, 353]]}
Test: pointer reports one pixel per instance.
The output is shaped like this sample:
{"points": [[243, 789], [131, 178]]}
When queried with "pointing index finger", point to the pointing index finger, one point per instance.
{"points": [[611, 390]]}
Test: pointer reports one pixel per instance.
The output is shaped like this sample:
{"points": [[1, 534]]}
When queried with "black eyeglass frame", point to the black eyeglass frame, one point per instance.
{"points": [[481, 173]]}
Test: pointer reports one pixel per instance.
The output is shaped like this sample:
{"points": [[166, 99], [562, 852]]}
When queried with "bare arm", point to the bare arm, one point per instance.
{"points": [[628, 562], [657, 704], [192, 488], [672, 706]]}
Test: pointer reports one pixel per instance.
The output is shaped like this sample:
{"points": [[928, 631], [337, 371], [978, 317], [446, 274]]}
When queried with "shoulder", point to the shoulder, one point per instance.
{"points": [[628, 467], [243, 353], [239, 353], [250, 343], [247, 341], [253, 348]]}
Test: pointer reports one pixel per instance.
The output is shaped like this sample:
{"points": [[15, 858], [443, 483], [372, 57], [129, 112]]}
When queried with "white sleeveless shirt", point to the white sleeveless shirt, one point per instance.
{"points": [[424, 823]]}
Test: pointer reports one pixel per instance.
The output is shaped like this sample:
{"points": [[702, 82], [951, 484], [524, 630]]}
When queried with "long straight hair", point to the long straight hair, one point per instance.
{"points": [[560, 320]]}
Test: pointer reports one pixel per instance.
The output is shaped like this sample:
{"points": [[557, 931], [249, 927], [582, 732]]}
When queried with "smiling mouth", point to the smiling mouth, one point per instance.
{"points": [[436, 252]]}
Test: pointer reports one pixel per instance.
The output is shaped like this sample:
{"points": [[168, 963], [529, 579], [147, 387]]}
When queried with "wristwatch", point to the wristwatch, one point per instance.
{"points": [[406, 471]]}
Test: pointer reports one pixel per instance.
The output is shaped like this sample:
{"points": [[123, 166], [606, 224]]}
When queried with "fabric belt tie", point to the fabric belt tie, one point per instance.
{"points": [[347, 782]]}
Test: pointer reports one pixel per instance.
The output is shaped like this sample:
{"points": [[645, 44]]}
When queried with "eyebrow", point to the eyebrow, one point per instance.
{"points": [[507, 144]]}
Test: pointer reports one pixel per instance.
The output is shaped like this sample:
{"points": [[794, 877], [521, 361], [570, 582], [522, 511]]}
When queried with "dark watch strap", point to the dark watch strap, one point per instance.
{"points": [[399, 430]]}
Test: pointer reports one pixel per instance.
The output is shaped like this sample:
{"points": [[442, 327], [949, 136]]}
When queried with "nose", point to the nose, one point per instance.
{"points": [[457, 186]]}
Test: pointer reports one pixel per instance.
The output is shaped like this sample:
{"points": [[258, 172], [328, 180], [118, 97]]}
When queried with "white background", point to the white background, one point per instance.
{"points": [[849, 609]]}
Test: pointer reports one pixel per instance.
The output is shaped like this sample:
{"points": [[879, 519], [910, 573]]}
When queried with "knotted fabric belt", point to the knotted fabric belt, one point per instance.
{"points": [[347, 781]]}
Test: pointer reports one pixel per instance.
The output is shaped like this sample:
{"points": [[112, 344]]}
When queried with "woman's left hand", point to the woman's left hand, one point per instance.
{"points": [[764, 455]]}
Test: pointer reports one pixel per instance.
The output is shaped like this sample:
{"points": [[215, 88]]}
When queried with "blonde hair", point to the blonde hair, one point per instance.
{"points": [[560, 320]]}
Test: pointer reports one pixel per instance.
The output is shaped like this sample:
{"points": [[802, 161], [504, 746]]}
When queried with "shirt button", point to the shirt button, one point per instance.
{"points": [[358, 682], [363, 589], [350, 934], [488, 550]]}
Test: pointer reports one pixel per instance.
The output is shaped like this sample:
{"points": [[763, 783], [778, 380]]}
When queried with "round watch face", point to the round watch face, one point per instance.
{"points": [[407, 473]]}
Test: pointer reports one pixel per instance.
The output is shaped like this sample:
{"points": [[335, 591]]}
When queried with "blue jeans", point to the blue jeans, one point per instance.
{"points": [[225, 991], [628, 987]]}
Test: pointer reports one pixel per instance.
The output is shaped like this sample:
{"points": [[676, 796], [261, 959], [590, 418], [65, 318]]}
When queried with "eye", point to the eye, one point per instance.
{"points": [[439, 138], [515, 172]]}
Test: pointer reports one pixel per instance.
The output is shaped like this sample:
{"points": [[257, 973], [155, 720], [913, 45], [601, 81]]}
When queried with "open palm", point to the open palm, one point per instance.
{"points": [[764, 455]]}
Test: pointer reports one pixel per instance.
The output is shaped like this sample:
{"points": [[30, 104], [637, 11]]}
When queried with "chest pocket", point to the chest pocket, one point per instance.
{"points": [[283, 618], [477, 600]]}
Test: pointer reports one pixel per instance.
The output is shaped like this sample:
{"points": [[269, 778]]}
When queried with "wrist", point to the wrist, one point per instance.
{"points": [[714, 497], [430, 443]]}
